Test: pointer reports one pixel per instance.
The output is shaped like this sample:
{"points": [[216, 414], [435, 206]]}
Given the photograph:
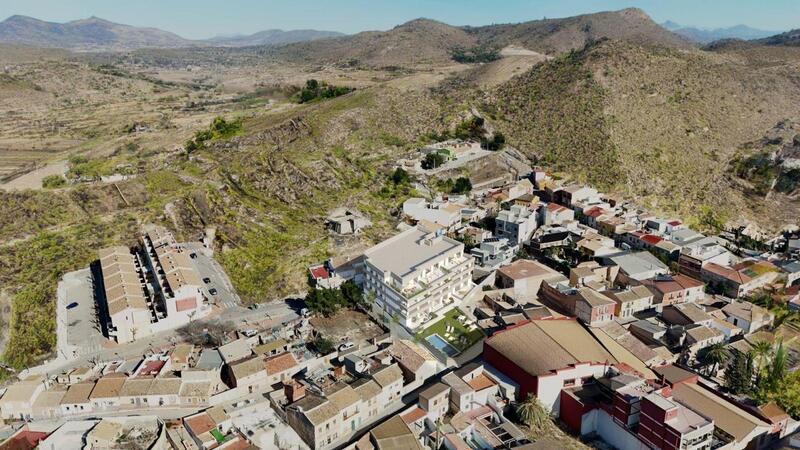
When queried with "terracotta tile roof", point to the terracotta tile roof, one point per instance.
{"points": [[481, 382], [525, 268], [668, 285], [318, 273], [280, 363], [108, 386], [78, 393], [200, 423], [726, 272], [409, 354], [388, 375], [414, 415], [394, 434]]}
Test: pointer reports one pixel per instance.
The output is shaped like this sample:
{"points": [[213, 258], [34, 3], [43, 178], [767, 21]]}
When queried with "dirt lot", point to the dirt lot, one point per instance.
{"points": [[347, 325]]}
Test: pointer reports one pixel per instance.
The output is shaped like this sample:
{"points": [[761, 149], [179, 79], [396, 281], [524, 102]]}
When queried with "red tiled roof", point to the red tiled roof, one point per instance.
{"points": [[152, 367], [651, 239], [413, 415], [677, 283], [480, 382], [23, 440], [200, 423], [594, 212], [675, 223], [318, 272], [279, 363], [554, 207], [726, 272]]}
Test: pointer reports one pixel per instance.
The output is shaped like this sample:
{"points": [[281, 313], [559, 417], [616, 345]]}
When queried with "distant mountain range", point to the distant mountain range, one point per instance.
{"points": [[705, 36], [423, 41], [96, 34], [273, 37]]}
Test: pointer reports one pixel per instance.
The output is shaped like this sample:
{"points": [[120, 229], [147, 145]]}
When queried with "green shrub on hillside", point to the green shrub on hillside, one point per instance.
{"points": [[316, 90], [53, 181], [219, 129], [478, 54]]}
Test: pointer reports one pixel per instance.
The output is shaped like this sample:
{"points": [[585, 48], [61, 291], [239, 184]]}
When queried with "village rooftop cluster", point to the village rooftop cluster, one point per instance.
{"points": [[524, 290]]}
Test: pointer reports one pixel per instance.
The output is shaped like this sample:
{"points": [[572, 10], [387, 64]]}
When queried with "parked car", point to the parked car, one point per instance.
{"points": [[206, 280], [305, 312], [72, 305], [346, 346], [212, 291]]}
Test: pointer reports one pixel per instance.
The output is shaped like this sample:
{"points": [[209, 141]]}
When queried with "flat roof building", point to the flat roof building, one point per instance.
{"points": [[416, 274]]}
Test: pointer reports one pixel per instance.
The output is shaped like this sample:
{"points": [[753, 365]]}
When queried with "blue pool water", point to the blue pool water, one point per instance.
{"points": [[442, 345]]}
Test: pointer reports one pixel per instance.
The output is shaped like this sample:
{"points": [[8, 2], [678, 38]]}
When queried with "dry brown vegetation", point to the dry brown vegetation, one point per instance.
{"points": [[659, 125]]}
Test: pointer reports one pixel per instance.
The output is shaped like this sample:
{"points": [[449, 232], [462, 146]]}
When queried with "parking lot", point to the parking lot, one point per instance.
{"points": [[208, 268], [77, 329]]}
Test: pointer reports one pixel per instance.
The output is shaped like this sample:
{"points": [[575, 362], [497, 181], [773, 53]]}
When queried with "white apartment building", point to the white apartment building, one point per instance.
{"points": [[415, 274], [517, 224]]}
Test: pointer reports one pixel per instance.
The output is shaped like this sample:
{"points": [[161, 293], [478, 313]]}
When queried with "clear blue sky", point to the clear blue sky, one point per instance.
{"points": [[206, 18]]}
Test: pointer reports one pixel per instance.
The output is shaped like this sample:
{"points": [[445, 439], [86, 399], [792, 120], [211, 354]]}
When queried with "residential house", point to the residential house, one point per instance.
{"points": [[555, 214], [672, 289], [18, 399], [747, 316], [630, 301], [444, 214], [394, 434], [637, 266], [516, 224], [76, 400], [416, 363], [686, 314], [461, 393], [740, 279], [593, 308], [699, 337], [105, 395], [525, 277], [493, 253], [434, 400]]}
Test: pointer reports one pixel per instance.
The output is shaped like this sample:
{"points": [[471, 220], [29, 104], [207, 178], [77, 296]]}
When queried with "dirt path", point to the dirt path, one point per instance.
{"points": [[33, 179]]}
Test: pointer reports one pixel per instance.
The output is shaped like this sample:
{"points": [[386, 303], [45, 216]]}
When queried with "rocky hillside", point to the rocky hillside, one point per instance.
{"points": [[424, 41], [553, 36], [418, 42], [655, 124], [790, 38]]}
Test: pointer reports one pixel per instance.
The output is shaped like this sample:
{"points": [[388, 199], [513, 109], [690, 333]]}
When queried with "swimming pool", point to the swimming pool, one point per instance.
{"points": [[442, 345]]}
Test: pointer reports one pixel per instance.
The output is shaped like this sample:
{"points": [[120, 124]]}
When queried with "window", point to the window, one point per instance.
{"points": [[569, 382]]}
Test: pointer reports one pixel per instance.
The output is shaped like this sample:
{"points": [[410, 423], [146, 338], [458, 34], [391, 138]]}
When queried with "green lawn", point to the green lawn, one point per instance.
{"points": [[450, 318]]}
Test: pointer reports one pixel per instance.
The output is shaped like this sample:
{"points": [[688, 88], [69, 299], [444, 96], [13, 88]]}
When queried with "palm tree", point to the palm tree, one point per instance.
{"points": [[532, 413], [761, 352], [714, 355]]}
